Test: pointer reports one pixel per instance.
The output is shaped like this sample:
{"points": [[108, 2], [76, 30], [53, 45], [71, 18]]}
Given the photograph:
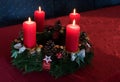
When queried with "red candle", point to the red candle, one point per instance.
{"points": [[74, 16], [39, 16], [72, 37], [29, 33]]}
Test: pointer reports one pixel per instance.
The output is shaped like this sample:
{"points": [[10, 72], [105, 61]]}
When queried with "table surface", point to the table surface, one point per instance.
{"points": [[103, 28]]}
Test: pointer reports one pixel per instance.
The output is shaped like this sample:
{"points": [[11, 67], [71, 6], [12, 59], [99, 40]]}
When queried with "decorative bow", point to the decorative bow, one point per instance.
{"points": [[20, 48]]}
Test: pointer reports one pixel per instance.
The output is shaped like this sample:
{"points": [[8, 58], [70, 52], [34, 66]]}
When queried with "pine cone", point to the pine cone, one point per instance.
{"points": [[49, 49], [83, 36], [57, 26]]}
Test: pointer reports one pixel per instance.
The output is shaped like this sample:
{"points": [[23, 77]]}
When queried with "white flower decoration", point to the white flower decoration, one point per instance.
{"points": [[81, 53], [73, 56], [22, 49], [47, 59], [18, 46]]}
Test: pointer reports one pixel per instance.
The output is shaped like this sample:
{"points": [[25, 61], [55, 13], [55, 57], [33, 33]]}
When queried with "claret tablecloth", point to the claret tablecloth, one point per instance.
{"points": [[103, 29]]}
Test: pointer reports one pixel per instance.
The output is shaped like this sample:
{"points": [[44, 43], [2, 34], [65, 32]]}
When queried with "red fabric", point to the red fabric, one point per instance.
{"points": [[103, 28]]}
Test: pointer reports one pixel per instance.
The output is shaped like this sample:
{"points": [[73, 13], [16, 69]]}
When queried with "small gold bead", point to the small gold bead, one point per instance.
{"points": [[57, 46], [61, 47]]}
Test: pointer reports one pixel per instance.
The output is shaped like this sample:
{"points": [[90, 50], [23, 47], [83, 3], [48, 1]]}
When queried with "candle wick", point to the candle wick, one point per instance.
{"points": [[74, 11], [39, 8], [74, 22], [29, 19]]}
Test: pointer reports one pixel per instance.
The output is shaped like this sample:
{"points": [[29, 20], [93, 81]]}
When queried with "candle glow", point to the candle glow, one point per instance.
{"points": [[75, 16], [73, 22], [39, 16], [74, 10], [29, 19], [39, 8], [72, 37], [29, 33]]}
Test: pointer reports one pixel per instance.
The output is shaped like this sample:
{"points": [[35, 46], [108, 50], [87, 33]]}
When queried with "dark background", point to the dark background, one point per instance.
{"points": [[16, 11]]}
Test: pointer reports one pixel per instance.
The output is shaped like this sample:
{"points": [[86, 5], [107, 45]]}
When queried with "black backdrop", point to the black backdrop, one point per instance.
{"points": [[16, 11]]}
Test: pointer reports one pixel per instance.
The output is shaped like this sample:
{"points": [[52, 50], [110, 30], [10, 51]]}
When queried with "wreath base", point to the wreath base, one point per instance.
{"points": [[49, 53]]}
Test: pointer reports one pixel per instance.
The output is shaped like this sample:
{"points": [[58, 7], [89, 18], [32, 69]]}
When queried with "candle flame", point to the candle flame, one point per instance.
{"points": [[29, 19], [39, 8], [73, 22], [74, 10]]}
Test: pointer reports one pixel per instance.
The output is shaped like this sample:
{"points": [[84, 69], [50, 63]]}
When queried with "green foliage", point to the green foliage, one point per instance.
{"points": [[27, 62], [63, 67], [88, 57]]}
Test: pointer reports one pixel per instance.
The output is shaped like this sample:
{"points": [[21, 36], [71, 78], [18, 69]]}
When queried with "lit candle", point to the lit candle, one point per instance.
{"points": [[39, 16], [72, 37], [74, 16], [29, 33]]}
